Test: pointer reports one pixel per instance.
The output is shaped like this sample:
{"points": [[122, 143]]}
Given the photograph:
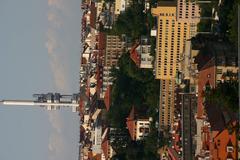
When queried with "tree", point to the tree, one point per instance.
{"points": [[131, 22], [225, 95], [136, 87]]}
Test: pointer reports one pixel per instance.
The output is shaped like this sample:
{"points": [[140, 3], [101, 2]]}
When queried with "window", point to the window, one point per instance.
{"points": [[230, 149], [219, 71]]}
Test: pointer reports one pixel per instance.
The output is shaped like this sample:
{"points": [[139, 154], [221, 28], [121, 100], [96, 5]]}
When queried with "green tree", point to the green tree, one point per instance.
{"points": [[131, 22], [225, 95]]}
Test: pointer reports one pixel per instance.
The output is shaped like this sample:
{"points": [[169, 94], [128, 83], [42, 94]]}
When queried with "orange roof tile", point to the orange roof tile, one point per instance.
{"points": [[131, 124], [172, 153], [205, 76], [105, 148], [218, 148]]}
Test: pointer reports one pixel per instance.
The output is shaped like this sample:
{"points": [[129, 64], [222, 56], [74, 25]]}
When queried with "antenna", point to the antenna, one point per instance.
{"points": [[51, 101]]}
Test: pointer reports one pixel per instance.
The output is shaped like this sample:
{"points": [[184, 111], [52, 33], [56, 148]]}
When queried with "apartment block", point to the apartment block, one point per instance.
{"points": [[113, 51], [173, 31]]}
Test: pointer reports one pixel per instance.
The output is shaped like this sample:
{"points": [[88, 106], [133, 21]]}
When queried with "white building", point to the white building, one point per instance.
{"points": [[142, 128], [138, 128]]}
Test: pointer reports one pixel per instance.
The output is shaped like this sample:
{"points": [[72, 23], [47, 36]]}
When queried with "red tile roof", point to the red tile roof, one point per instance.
{"points": [[105, 148], [218, 148], [207, 75], [93, 15], [172, 153], [107, 98], [131, 124], [134, 55], [102, 40], [99, 78]]}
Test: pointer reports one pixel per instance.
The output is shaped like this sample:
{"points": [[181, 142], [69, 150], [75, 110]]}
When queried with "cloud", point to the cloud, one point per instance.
{"points": [[51, 43], [56, 144], [56, 4], [56, 121], [54, 20], [56, 58]]}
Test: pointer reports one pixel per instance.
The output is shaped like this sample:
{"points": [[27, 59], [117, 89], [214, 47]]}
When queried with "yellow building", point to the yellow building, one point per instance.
{"points": [[172, 33]]}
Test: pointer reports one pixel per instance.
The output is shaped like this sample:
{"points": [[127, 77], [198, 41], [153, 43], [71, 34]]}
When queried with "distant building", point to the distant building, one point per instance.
{"points": [[172, 33], [138, 127], [115, 47]]}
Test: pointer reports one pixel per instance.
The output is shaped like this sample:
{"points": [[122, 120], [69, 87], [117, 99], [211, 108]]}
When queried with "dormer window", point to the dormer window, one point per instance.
{"points": [[230, 149]]}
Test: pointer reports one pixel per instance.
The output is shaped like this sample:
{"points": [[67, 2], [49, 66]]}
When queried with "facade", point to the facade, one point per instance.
{"points": [[141, 54], [145, 53], [188, 10], [113, 51], [172, 33]]}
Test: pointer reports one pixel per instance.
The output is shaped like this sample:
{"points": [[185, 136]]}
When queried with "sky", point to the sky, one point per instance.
{"points": [[39, 53]]}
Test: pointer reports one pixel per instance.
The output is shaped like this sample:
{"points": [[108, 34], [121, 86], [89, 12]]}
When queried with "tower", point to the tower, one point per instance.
{"points": [[51, 101]]}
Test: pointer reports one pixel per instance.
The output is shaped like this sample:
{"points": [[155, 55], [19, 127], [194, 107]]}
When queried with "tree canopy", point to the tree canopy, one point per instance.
{"points": [[225, 95], [132, 22]]}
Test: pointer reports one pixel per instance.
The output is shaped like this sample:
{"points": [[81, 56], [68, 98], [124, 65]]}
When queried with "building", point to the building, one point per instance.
{"points": [[140, 53], [113, 51], [188, 10], [138, 127], [107, 149], [222, 66], [144, 49], [223, 136], [120, 6], [188, 68], [216, 63], [172, 33], [189, 107]]}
